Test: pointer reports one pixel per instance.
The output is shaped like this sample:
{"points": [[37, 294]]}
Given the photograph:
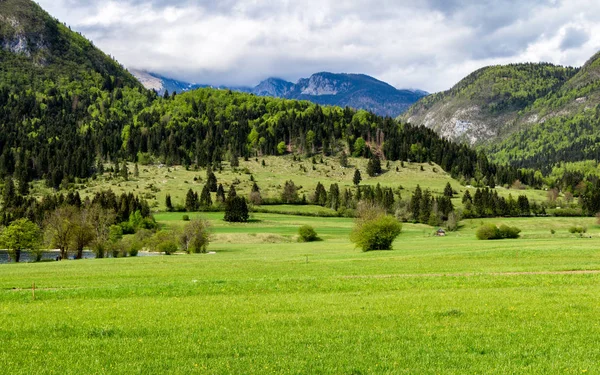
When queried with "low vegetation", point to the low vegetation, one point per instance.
{"points": [[492, 232]]}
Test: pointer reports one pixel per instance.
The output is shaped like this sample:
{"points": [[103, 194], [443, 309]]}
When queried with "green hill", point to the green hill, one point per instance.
{"points": [[525, 115], [486, 104]]}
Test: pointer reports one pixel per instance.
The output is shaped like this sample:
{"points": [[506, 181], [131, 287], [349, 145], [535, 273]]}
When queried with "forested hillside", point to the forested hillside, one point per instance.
{"points": [[66, 108], [525, 115], [562, 126], [485, 105]]}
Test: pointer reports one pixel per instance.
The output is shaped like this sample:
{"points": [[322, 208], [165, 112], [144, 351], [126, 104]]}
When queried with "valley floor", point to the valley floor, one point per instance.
{"points": [[264, 303]]}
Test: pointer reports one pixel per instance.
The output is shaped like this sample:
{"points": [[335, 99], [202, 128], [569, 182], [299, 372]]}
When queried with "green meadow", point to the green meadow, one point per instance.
{"points": [[155, 181], [265, 304]]}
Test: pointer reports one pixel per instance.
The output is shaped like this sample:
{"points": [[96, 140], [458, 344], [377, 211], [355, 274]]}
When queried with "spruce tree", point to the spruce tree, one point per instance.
{"points": [[211, 180], [220, 194], [168, 203], [448, 192], [236, 210], [205, 198], [357, 177], [374, 166]]}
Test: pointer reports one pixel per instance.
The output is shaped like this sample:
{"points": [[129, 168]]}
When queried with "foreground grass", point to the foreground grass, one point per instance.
{"points": [[264, 304]]}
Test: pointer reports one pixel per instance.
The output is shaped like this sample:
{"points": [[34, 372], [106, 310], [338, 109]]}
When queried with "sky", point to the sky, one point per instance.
{"points": [[419, 44]]}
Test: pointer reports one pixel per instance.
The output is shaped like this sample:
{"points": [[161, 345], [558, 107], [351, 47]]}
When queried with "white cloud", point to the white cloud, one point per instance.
{"points": [[419, 44]]}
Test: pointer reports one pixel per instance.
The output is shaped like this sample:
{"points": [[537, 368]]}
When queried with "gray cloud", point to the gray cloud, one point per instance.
{"points": [[427, 44], [574, 38]]}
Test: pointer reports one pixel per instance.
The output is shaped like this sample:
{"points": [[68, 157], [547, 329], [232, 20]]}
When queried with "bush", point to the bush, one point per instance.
{"points": [[487, 232], [168, 247], [492, 232], [577, 229], [376, 233], [509, 232], [307, 234], [186, 217]]}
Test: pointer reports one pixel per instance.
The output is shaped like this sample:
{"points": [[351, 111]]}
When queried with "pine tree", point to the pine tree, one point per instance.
{"points": [[344, 160], [415, 203], [448, 192], [357, 177], [232, 193], [220, 194], [191, 201], [320, 196], [205, 198], [211, 180], [374, 166], [334, 196], [290, 192], [168, 203], [236, 210]]}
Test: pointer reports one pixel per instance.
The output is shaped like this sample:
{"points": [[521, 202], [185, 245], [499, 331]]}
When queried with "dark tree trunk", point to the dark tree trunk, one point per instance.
{"points": [[17, 256], [79, 254]]}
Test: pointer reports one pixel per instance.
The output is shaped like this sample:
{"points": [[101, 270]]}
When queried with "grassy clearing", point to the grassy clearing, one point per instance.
{"points": [[154, 182], [449, 305]]}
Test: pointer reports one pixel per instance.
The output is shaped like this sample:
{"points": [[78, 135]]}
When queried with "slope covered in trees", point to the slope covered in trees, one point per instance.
{"points": [[65, 108], [526, 115], [486, 104]]}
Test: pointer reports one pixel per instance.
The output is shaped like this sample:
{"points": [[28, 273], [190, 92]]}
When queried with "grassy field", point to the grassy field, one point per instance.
{"points": [[154, 181], [265, 304]]}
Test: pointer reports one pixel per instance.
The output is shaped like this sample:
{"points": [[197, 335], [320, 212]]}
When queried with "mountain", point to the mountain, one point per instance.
{"points": [[62, 101], [525, 115], [32, 42], [487, 104], [160, 84], [353, 90]]}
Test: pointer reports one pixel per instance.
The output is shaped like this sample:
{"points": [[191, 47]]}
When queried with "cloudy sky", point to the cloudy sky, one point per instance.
{"points": [[425, 44]]}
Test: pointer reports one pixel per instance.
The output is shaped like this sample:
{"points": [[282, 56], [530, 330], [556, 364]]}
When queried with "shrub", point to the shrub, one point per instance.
{"points": [[307, 234], [186, 217], [375, 233], [509, 232], [487, 232], [492, 232], [577, 229], [168, 247]]}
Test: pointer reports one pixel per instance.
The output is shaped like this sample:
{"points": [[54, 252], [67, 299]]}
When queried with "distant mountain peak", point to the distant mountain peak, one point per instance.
{"points": [[358, 91]]}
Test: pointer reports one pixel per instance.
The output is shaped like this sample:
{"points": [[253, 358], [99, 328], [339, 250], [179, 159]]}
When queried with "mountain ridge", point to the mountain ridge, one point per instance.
{"points": [[358, 91]]}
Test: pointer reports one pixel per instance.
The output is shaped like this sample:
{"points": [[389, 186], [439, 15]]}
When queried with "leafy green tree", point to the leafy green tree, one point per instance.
{"points": [[281, 148], [359, 147], [20, 235], [83, 231], [195, 236], [59, 230]]}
